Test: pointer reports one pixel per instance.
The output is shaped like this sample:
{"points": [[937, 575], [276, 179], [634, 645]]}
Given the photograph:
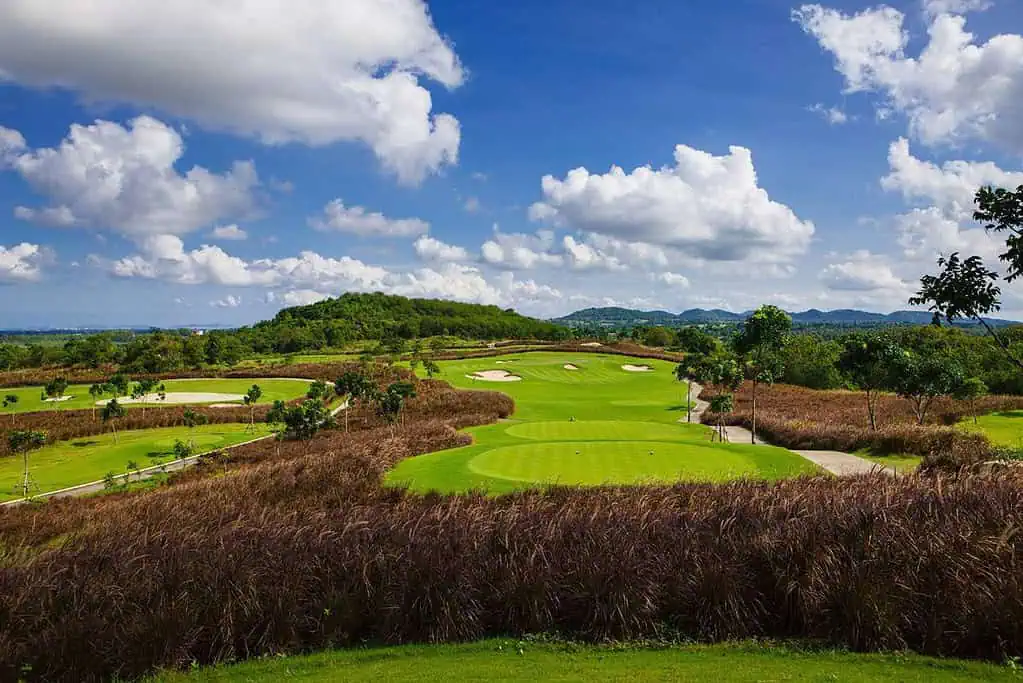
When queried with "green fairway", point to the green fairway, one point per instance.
{"points": [[1003, 429], [507, 660], [30, 399], [595, 425], [80, 461]]}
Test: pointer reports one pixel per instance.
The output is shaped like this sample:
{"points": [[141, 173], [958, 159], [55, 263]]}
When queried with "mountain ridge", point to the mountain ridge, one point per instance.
{"points": [[615, 315]]}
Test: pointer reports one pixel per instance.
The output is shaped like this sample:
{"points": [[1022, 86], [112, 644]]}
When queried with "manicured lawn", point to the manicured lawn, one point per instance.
{"points": [[508, 660], [902, 464], [69, 463], [29, 399], [596, 425], [1004, 429]]}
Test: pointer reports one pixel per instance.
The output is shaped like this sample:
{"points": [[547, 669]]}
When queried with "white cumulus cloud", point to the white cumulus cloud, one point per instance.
{"points": [[229, 301], [708, 207], [229, 232], [429, 249], [519, 251], [358, 221], [22, 262], [862, 271], [314, 72]]}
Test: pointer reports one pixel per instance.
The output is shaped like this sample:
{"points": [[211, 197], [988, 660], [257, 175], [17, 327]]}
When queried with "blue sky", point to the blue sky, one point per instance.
{"points": [[199, 163]]}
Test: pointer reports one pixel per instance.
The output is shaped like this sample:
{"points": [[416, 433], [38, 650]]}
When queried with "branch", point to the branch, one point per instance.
{"points": [[1001, 342]]}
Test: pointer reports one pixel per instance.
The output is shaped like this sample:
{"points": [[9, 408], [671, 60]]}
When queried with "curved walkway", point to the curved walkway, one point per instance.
{"points": [[836, 462]]}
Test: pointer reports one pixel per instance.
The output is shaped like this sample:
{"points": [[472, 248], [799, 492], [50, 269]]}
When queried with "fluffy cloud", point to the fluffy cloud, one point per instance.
{"points": [[229, 301], [315, 72], [229, 232], [832, 115], [707, 207], [358, 221], [582, 256], [429, 249], [924, 234], [862, 272], [106, 176], [519, 251], [954, 89], [22, 262], [672, 279], [950, 187], [302, 297]]}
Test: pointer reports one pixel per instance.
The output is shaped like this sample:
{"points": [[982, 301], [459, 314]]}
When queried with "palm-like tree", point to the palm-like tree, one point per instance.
{"points": [[113, 411], [24, 442], [96, 391], [9, 402], [251, 398]]}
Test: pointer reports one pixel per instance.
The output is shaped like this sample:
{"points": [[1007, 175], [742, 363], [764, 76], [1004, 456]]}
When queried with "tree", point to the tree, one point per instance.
{"points": [[182, 450], [724, 372], [692, 339], [683, 371], [142, 390], [25, 441], [391, 402], [356, 386], [96, 391], [118, 385], [970, 389], [317, 391], [866, 359], [112, 412], [431, 368], [251, 397], [55, 389], [721, 405], [275, 419], [657, 336], [10, 400], [760, 342], [921, 379], [129, 467], [302, 422], [192, 419]]}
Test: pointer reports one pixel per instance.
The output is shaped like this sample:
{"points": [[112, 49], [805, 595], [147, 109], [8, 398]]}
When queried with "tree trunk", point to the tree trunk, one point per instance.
{"points": [[870, 411], [24, 486], [114, 430], [973, 409], [346, 407], [753, 432], [689, 401]]}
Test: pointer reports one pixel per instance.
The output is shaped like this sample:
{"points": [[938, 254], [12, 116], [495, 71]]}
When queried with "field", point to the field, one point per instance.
{"points": [[509, 660], [81, 461], [593, 425], [30, 399], [1003, 428]]}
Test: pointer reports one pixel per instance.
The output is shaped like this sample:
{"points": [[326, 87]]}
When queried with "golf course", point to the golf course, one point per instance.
{"points": [[178, 392], [585, 419]]}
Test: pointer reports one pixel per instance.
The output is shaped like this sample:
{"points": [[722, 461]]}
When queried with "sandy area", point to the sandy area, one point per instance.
{"points": [[224, 405], [502, 362], [569, 366], [594, 344], [58, 400], [495, 376], [637, 368], [179, 397]]}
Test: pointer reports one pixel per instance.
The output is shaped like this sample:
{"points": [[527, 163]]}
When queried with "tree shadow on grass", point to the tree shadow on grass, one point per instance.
{"points": [[83, 444]]}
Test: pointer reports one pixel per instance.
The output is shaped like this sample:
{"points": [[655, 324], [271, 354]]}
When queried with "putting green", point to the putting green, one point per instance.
{"points": [[612, 417]]}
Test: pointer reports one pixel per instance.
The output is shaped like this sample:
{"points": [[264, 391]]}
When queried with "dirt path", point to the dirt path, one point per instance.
{"points": [[836, 462]]}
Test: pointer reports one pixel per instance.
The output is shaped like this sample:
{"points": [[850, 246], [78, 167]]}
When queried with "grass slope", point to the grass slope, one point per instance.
{"points": [[1003, 429], [69, 463], [497, 660], [29, 399], [596, 425]]}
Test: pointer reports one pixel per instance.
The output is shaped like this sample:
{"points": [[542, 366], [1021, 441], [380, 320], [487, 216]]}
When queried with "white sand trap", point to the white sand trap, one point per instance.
{"points": [[569, 366], [593, 344], [179, 397], [495, 376], [225, 405], [58, 400], [502, 362], [637, 368]]}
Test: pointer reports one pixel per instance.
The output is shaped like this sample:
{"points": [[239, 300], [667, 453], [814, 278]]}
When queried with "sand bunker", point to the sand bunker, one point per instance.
{"points": [[591, 344], [495, 376], [58, 400], [224, 405], [569, 366], [637, 368], [179, 397], [502, 362]]}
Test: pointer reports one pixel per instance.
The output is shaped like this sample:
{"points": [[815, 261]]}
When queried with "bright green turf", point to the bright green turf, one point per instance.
{"points": [[1004, 429], [902, 464], [620, 417], [29, 399], [80, 461], [504, 660]]}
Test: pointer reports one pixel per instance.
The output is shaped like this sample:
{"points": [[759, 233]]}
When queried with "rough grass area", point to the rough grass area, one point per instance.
{"points": [[274, 389], [69, 463], [596, 425], [512, 660]]}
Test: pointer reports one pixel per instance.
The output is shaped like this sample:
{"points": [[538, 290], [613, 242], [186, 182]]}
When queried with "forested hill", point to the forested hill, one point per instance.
{"points": [[616, 317], [351, 317]]}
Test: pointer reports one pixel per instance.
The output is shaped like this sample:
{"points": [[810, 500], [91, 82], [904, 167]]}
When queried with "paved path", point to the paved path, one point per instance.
{"points": [[836, 462], [148, 472]]}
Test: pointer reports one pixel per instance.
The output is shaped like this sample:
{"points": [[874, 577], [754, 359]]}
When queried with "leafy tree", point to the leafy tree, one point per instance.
{"points": [[55, 389], [431, 368], [182, 450], [921, 379], [118, 385], [657, 336], [970, 389], [760, 342], [112, 411], [317, 391], [687, 368], [810, 361], [302, 422], [391, 402], [356, 386], [721, 405], [252, 397], [129, 468], [96, 391], [109, 481], [192, 419], [866, 359], [11, 400], [25, 441], [692, 339], [141, 391]]}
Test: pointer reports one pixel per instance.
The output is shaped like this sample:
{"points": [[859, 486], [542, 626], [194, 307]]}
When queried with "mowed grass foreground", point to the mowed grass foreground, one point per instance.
{"points": [[504, 660], [88, 459], [274, 389], [1002, 428], [599, 424]]}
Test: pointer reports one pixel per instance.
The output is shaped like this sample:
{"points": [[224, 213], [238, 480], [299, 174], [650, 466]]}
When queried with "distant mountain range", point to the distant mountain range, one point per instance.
{"points": [[614, 316]]}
